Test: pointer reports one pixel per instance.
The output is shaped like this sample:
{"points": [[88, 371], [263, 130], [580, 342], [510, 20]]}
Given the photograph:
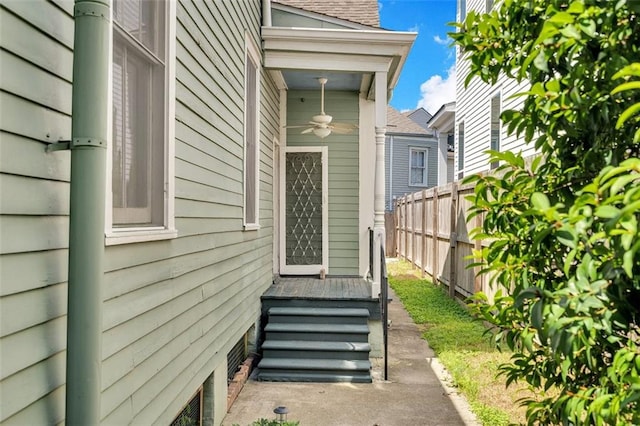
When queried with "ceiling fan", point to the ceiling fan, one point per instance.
{"points": [[321, 125]]}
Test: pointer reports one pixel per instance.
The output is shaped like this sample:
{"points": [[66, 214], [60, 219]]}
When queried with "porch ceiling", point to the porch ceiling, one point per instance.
{"points": [[348, 58], [308, 80]]}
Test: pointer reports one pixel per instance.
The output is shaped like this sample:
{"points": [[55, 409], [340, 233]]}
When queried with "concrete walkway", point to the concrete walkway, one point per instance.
{"points": [[416, 393]]}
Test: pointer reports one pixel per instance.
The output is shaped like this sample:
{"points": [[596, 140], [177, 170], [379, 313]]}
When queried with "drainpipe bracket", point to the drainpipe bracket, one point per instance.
{"points": [[58, 146], [76, 142], [91, 9], [95, 142]]}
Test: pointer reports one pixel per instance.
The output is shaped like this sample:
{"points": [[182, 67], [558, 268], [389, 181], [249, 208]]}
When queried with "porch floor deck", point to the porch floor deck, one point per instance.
{"points": [[331, 288]]}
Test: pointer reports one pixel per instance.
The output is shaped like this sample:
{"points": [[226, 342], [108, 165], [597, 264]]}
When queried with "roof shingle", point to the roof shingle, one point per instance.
{"points": [[399, 123], [360, 11]]}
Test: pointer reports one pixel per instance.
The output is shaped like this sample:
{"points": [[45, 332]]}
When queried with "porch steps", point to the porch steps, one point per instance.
{"points": [[316, 345], [315, 350]]}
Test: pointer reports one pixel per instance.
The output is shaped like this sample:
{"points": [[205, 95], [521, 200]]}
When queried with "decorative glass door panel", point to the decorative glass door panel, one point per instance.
{"points": [[305, 224]]}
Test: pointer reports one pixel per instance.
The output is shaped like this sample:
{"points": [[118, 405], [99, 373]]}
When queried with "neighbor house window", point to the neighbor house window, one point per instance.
{"points": [[462, 14], [251, 134], [462, 10], [141, 145], [461, 150], [495, 126], [418, 166]]}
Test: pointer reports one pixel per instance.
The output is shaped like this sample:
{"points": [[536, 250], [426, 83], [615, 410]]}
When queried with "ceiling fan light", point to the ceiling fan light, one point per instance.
{"points": [[321, 132], [322, 119]]}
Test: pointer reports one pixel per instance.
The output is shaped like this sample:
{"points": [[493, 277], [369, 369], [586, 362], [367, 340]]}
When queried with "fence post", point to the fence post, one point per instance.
{"points": [[453, 241], [396, 224], [406, 227], [401, 226], [414, 261], [434, 216], [478, 282], [423, 236]]}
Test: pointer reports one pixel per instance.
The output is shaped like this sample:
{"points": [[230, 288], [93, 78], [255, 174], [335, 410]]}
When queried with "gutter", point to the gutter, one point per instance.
{"points": [[266, 13]]}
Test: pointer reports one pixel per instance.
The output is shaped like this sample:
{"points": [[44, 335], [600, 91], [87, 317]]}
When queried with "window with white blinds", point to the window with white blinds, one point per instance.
{"points": [[418, 166], [141, 115], [138, 113]]}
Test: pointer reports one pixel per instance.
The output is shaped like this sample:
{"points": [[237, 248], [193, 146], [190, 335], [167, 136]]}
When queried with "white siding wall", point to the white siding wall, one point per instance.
{"points": [[473, 107]]}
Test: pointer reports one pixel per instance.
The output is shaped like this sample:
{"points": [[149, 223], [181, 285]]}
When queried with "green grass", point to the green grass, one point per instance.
{"points": [[461, 344]]}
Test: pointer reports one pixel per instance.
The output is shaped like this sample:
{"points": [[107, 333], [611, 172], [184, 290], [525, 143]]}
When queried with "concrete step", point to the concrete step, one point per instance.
{"points": [[319, 315], [332, 370], [316, 332], [315, 349]]}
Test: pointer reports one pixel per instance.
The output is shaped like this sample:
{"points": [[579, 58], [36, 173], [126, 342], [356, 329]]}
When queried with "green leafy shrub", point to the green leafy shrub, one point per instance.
{"points": [[563, 229]]}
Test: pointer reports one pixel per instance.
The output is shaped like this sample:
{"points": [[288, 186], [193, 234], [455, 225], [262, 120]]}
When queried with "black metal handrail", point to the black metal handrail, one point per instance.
{"points": [[384, 307], [371, 263]]}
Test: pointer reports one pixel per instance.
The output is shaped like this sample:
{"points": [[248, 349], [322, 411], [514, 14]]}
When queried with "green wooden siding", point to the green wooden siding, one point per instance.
{"points": [[172, 308], [343, 170], [35, 100]]}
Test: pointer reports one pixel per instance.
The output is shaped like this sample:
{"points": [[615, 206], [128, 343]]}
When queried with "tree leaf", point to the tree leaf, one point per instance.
{"points": [[540, 62], [567, 237], [627, 263], [607, 212], [630, 85], [627, 113], [540, 201]]}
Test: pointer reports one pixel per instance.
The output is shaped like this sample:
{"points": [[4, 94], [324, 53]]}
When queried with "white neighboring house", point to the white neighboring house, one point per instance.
{"points": [[443, 124], [478, 107]]}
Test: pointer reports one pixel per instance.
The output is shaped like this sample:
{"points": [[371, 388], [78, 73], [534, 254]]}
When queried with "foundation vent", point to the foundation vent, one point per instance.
{"points": [[191, 414]]}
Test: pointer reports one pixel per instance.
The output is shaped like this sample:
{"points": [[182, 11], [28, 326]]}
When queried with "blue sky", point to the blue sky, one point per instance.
{"points": [[428, 76]]}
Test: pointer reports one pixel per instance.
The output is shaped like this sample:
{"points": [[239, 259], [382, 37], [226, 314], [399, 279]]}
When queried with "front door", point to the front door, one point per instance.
{"points": [[304, 223]]}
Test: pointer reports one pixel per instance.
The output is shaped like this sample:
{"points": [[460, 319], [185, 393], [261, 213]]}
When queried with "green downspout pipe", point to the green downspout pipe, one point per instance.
{"points": [[87, 210]]}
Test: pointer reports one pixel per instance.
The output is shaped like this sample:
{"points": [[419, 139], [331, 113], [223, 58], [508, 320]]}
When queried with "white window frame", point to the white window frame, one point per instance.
{"points": [[488, 5], [133, 234], [304, 269], [497, 94], [462, 10], [459, 141], [252, 53], [425, 174]]}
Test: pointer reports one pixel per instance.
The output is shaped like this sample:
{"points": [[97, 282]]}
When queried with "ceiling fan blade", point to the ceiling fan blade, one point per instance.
{"points": [[296, 127], [344, 126], [305, 131], [341, 131]]}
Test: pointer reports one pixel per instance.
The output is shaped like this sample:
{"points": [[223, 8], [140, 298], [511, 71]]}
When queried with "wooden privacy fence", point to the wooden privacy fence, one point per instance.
{"points": [[432, 233]]}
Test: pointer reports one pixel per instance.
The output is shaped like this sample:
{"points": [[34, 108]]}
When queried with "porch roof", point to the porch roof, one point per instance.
{"points": [[363, 52], [443, 119], [360, 11]]}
